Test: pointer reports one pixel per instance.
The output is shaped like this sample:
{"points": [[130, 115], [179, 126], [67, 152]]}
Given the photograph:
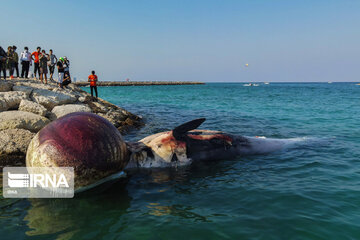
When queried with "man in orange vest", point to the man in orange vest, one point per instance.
{"points": [[93, 79]]}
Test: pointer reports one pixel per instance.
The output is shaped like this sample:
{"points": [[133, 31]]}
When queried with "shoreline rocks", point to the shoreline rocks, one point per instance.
{"points": [[22, 120], [33, 107], [26, 106], [13, 146], [63, 110]]}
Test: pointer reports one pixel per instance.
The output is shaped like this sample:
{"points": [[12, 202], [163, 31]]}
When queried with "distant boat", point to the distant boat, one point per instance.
{"points": [[251, 85], [266, 83], [329, 82]]}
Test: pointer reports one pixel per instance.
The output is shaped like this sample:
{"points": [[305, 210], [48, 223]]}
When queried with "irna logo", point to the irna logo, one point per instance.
{"points": [[18, 180], [53, 182]]}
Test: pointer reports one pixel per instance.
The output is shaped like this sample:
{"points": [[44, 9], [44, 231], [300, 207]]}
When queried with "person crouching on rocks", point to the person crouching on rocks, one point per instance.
{"points": [[67, 79], [93, 79], [60, 68]]}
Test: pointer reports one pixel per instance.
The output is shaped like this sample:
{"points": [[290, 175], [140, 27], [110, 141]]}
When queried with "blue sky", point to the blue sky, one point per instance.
{"points": [[197, 40]]}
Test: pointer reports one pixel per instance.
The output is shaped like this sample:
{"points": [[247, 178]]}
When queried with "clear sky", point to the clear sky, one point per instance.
{"points": [[193, 40]]}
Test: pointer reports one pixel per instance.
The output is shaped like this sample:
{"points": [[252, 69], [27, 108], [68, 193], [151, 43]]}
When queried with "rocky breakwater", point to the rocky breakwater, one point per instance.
{"points": [[26, 106]]}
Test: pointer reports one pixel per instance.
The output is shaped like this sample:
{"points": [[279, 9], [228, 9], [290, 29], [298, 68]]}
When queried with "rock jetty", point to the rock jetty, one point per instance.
{"points": [[137, 83], [26, 106]]}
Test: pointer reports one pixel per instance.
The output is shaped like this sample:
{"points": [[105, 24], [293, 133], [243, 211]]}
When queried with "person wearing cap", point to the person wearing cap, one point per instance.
{"points": [[25, 58], [16, 61], [93, 80], [60, 67]]}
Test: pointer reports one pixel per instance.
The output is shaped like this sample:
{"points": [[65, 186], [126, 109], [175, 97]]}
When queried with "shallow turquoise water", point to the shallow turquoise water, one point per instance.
{"points": [[308, 191]]}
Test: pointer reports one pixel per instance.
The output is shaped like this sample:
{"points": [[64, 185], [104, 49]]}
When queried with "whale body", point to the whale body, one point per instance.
{"points": [[183, 145]]}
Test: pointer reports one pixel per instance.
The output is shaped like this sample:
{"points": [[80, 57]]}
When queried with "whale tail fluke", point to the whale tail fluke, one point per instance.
{"points": [[181, 130]]}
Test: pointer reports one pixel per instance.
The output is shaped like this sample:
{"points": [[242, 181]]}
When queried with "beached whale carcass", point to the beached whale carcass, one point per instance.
{"points": [[184, 144]]}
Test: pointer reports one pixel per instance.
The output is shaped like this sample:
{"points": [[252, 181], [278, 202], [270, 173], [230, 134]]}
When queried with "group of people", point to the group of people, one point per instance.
{"points": [[43, 63]]}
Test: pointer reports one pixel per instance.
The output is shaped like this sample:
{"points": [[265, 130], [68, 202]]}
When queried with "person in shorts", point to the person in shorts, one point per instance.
{"points": [[60, 68], [52, 60]]}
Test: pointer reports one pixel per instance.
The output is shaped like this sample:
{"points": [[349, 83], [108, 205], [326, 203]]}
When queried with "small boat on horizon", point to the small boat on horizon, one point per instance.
{"points": [[251, 85], [266, 83]]}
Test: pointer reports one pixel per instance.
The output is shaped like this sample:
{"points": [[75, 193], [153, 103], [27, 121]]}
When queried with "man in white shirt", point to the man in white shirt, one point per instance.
{"points": [[25, 59]]}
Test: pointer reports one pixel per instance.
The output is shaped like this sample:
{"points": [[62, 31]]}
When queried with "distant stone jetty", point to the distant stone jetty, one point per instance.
{"points": [[137, 83]]}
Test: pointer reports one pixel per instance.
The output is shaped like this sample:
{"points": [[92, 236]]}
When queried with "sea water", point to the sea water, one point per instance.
{"points": [[309, 190]]}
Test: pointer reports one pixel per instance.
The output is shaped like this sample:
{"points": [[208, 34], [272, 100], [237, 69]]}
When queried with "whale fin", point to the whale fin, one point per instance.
{"points": [[179, 131]]}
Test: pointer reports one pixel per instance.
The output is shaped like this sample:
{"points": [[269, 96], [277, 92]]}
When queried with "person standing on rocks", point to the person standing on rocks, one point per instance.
{"points": [[16, 61], [66, 63], [36, 61], [60, 68], [93, 80], [25, 58], [3, 57], [43, 58], [52, 60], [10, 61]]}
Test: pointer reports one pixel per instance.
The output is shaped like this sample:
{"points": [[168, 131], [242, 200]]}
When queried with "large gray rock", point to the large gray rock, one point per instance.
{"points": [[63, 110], [115, 117], [33, 107], [13, 146], [11, 100], [50, 99], [5, 86], [21, 88], [22, 120], [35, 85]]}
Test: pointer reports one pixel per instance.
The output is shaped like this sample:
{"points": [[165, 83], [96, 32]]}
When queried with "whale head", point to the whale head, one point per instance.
{"points": [[163, 149]]}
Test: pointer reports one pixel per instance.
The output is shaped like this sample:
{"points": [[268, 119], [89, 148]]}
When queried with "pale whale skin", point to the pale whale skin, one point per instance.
{"points": [[164, 150]]}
